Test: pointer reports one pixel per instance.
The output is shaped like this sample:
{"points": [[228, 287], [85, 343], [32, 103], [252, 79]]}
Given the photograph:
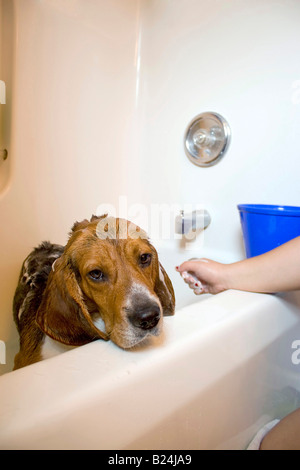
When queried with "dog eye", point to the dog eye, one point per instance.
{"points": [[145, 259], [96, 275]]}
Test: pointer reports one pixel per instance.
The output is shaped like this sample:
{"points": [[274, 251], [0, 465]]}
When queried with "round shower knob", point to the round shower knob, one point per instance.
{"points": [[207, 139]]}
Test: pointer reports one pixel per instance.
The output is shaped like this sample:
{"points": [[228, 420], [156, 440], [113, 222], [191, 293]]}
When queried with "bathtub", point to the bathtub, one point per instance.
{"points": [[223, 367], [226, 364]]}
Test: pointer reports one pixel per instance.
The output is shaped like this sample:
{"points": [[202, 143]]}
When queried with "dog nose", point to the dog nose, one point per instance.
{"points": [[146, 317]]}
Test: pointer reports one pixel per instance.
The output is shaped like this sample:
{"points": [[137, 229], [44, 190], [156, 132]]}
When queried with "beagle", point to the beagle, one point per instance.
{"points": [[106, 283]]}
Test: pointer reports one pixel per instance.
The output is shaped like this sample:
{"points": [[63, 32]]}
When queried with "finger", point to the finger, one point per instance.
{"points": [[191, 265], [189, 278], [185, 266], [198, 291]]}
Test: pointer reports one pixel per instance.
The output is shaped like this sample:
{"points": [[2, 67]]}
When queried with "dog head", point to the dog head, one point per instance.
{"points": [[108, 275]]}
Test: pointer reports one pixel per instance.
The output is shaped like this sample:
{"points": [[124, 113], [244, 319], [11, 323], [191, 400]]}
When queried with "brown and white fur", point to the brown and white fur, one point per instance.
{"points": [[103, 284]]}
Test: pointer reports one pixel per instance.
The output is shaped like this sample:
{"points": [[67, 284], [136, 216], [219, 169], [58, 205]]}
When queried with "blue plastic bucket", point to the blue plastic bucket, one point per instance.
{"points": [[265, 227]]}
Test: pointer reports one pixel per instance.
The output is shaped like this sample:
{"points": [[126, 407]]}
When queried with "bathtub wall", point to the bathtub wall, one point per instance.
{"points": [[73, 105], [99, 95], [240, 60]]}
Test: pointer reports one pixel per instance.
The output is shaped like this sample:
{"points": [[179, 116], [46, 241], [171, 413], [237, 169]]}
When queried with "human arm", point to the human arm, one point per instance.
{"points": [[275, 271]]}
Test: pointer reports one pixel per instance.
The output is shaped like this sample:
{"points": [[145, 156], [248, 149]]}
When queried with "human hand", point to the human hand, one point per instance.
{"points": [[203, 275]]}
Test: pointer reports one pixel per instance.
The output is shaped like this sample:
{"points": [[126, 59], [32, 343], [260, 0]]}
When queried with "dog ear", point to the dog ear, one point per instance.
{"points": [[84, 223], [165, 292], [79, 225], [63, 314]]}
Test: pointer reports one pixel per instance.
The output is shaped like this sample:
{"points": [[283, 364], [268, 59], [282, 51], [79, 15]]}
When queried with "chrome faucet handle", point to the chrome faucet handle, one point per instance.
{"points": [[207, 139]]}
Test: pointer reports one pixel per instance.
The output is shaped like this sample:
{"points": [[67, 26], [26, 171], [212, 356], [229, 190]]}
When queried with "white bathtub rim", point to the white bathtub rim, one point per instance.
{"points": [[78, 376]]}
